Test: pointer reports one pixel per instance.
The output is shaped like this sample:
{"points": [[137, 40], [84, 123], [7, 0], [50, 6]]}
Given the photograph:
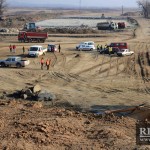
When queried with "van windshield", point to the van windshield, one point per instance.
{"points": [[33, 48], [90, 43]]}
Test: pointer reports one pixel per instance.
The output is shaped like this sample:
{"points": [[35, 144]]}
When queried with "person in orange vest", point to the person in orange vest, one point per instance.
{"points": [[48, 61], [42, 63]]}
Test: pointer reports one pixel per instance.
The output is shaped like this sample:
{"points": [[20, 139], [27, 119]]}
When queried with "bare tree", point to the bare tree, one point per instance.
{"points": [[145, 5], [3, 6]]}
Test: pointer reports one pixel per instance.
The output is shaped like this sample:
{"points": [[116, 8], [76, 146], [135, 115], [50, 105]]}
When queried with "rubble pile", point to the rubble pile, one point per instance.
{"points": [[34, 93], [71, 30]]}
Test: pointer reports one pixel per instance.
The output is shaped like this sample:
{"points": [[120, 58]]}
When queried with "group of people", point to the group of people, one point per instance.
{"points": [[106, 47], [12, 48], [47, 63], [99, 47]]}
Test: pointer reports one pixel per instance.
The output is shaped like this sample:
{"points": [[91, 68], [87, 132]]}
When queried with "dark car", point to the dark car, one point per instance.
{"points": [[106, 51], [51, 48]]}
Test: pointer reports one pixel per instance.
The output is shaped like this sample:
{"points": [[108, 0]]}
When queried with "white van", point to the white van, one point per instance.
{"points": [[86, 47], [84, 44], [36, 51]]}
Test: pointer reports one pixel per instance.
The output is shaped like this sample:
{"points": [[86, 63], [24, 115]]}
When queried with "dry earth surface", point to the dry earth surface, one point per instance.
{"points": [[86, 80]]}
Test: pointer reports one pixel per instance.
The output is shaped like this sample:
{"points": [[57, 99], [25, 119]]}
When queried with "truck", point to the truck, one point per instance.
{"points": [[14, 61], [25, 36], [107, 26], [125, 52], [36, 51]]}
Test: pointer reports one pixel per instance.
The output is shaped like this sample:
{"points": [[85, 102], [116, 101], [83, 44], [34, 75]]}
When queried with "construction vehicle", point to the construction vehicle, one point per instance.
{"points": [[25, 36], [107, 26], [29, 26]]}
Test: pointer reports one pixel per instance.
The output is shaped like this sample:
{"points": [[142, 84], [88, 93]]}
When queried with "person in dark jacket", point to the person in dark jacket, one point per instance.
{"points": [[10, 48], [59, 48]]}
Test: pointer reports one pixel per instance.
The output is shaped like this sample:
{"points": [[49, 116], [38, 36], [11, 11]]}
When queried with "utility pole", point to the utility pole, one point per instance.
{"points": [[79, 5], [122, 9]]}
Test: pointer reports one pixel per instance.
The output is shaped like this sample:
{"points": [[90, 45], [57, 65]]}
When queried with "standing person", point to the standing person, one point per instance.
{"points": [[110, 50], [101, 47], [48, 61], [23, 50], [10, 48], [14, 48], [98, 47], [42, 63], [59, 48]]}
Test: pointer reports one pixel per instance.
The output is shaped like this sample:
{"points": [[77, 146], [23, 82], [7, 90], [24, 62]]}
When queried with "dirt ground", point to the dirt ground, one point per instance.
{"points": [[87, 80]]}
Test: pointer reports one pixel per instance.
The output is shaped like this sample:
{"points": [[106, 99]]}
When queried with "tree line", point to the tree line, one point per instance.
{"points": [[145, 6]]}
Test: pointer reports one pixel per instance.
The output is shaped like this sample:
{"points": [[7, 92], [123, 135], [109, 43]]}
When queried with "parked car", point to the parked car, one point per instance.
{"points": [[36, 51], [86, 47], [125, 52], [85, 43], [106, 51], [14, 61], [51, 48]]}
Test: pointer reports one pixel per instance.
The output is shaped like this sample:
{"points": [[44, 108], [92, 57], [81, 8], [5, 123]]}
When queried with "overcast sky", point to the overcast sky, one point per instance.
{"points": [[76, 3]]}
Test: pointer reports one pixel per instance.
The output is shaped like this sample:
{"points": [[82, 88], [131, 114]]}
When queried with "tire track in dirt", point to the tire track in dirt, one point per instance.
{"points": [[63, 60], [96, 54], [73, 62], [113, 63], [112, 67], [54, 60], [137, 69], [93, 67], [138, 73], [103, 59], [142, 73]]}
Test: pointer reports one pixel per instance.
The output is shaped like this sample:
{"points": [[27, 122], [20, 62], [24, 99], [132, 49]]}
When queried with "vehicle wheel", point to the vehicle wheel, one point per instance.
{"points": [[91, 49], [18, 65], [2, 64]]}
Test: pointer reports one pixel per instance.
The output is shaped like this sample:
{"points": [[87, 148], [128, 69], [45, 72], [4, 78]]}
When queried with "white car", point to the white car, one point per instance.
{"points": [[36, 51], [125, 52], [86, 47], [86, 43]]}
